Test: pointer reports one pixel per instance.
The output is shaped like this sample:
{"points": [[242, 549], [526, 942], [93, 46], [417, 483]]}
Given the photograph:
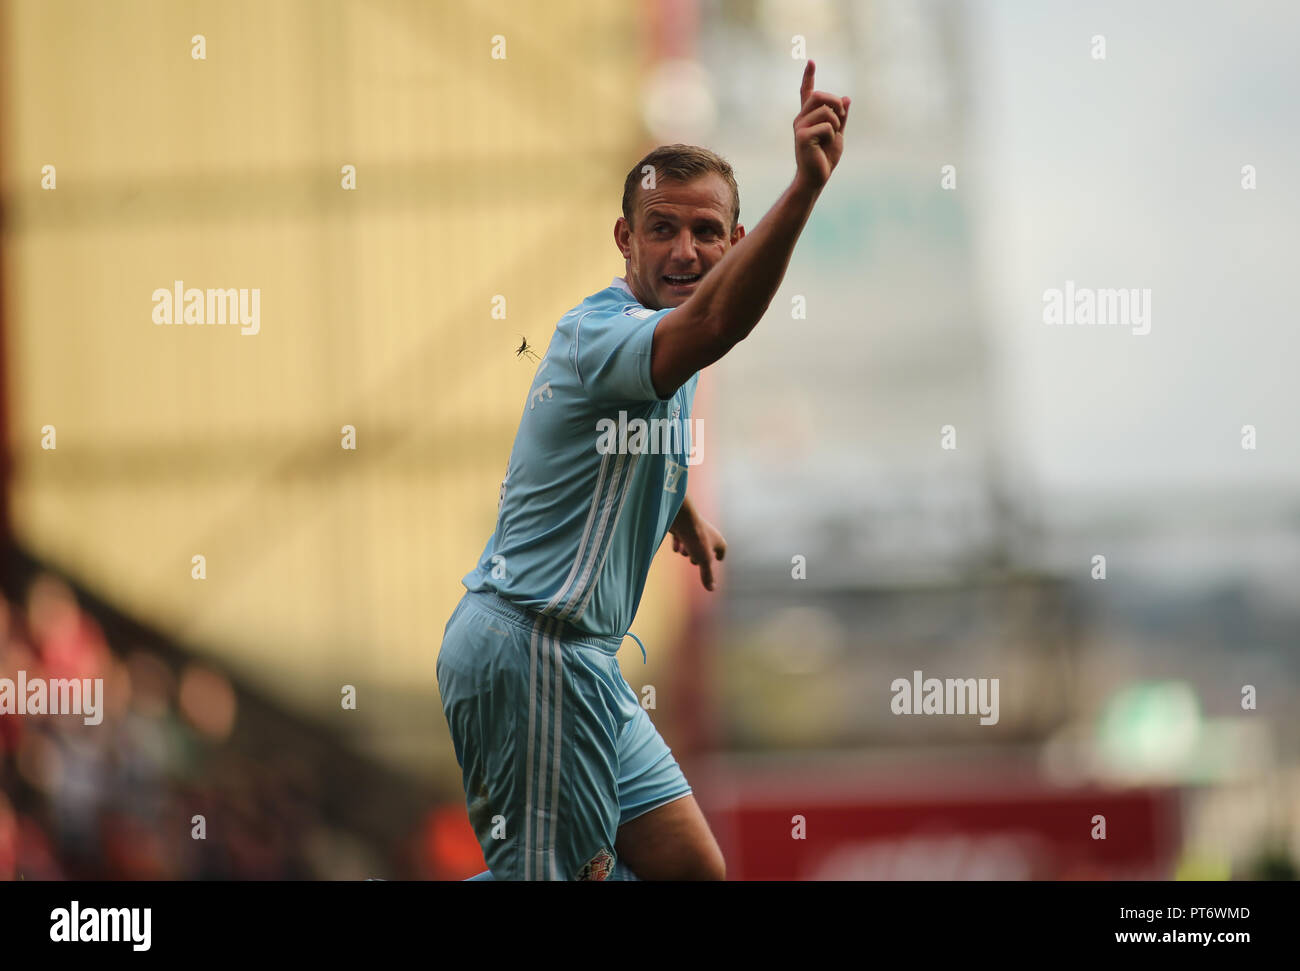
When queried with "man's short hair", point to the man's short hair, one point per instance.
{"points": [[681, 163]]}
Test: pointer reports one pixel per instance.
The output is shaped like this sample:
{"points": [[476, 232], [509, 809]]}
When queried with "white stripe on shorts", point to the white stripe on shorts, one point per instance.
{"points": [[555, 769], [532, 721], [540, 857]]}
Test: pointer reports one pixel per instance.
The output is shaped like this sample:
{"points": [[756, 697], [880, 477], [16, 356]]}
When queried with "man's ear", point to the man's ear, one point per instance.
{"points": [[737, 234], [622, 237]]}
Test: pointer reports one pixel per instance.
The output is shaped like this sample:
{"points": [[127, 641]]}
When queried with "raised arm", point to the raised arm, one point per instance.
{"points": [[733, 296]]}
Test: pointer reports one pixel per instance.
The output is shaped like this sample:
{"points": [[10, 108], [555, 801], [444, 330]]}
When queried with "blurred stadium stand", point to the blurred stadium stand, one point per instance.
{"points": [[178, 738]]}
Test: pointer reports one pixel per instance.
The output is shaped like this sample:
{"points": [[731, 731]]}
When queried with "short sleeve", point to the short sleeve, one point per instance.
{"points": [[611, 353]]}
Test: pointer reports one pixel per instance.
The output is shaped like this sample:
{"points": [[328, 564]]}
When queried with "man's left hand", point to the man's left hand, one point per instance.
{"points": [[695, 537]]}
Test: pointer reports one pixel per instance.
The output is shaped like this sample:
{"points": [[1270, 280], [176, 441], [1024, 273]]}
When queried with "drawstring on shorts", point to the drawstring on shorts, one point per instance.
{"points": [[640, 645]]}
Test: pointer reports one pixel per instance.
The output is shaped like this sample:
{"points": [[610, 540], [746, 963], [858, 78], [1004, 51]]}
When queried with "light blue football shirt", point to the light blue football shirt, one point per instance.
{"points": [[589, 492]]}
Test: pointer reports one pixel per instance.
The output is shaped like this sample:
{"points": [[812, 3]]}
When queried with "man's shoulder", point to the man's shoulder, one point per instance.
{"points": [[606, 312], [613, 301]]}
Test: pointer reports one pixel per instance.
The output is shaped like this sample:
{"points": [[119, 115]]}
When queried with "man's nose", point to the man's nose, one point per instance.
{"points": [[684, 247]]}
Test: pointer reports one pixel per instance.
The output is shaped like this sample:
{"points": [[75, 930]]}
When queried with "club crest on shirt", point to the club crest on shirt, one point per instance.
{"points": [[642, 312], [599, 867]]}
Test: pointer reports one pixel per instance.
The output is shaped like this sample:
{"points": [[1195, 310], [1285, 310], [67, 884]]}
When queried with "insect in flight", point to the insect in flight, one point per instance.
{"points": [[524, 349]]}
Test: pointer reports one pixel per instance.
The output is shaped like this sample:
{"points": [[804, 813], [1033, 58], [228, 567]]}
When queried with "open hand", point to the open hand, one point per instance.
{"points": [[702, 543]]}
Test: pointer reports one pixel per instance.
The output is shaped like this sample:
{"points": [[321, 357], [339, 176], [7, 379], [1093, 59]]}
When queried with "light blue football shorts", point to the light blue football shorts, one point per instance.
{"points": [[555, 749]]}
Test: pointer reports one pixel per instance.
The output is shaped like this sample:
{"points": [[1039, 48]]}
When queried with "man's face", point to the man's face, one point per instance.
{"points": [[680, 232]]}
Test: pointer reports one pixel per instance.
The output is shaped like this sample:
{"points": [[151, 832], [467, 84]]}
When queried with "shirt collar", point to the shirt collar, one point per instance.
{"points": [[621, 283]]}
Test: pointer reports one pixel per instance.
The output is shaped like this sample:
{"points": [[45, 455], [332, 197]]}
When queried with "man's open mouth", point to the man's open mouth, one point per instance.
{"points": [[682, 281]]}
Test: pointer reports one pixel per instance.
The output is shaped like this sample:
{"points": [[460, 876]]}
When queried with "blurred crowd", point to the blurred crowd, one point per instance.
{"points": [[122, 799]]}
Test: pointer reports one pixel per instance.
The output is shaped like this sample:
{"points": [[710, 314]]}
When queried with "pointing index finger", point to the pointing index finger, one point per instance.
{"points": [[806, 88]]}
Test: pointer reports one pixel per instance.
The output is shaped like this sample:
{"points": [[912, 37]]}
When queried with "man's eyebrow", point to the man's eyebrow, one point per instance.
{"points": [[660, 214]]}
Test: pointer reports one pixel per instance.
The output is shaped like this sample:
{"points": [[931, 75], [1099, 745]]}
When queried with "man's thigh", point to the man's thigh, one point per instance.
{"points": [[672, 842], [662, 833], [536, 740]]}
